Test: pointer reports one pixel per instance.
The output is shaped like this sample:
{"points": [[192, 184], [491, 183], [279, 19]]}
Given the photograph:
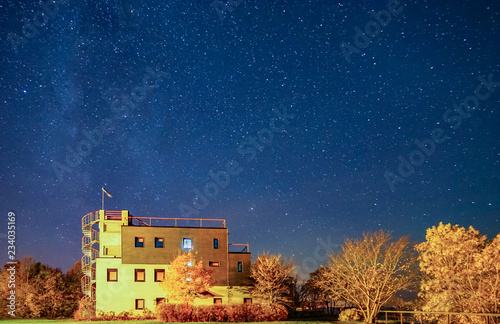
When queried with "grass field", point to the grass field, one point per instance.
{"points": [[43, 321]]}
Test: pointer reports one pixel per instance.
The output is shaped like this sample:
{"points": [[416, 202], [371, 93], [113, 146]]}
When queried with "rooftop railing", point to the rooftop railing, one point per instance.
{"points": [[179, 222]]}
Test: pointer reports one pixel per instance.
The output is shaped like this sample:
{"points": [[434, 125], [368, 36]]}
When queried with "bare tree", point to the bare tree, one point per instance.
{"points": [[321, 284], [272, 278], [368, 272]]}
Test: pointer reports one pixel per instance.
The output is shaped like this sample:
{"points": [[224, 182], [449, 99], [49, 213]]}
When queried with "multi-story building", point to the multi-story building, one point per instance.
{"points": [[125, 272]]}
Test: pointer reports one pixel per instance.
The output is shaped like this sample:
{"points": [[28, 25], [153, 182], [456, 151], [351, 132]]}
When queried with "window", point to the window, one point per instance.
{"points": [[216, 243], [213, 264], [217, 301], [160, 300], [139, 304], [240, 266], [159, 275], [247, 300], [187, 243], [112, 274], [140, 275], [139, 242], [158, 242]]}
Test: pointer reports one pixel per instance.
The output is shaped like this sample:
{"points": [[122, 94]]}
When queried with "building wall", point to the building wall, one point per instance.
{"points": [[202, 239], [118, 251], [237, 278], [110, 235], [120, 296]]}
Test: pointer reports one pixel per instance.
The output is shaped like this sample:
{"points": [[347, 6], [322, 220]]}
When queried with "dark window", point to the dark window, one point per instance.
{"points": [[214, 264], [159, 275], [140, 275], [216, 243], [158, 242], [240, 267], [112, 274], [247, 300], [187, 243], [139, 242], [218, 301], [160, 300], [139, 304]]}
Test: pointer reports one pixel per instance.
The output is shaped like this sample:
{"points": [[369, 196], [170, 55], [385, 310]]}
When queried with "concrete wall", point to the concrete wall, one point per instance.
{"points": [[118, 251], [202, 239], [239, 278], [120, 296]]}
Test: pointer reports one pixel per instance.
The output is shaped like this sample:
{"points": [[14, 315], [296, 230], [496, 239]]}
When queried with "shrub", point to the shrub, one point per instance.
{"points": [[236, 313], [220, 313], [123, 316], [103, 316], [147, 314], [164, 312], [350, 314], [85, 310], [278, 312], [201, 314]]}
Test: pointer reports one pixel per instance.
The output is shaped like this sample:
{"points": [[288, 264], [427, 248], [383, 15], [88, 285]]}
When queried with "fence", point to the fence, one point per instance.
{"points": [[418, 316]]}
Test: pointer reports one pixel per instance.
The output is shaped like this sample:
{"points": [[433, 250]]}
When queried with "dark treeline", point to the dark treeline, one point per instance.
{"points": [[40, 290]]}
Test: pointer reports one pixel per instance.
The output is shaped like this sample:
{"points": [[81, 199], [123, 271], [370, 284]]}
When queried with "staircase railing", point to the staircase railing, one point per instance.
{"points": [[90, 237]]}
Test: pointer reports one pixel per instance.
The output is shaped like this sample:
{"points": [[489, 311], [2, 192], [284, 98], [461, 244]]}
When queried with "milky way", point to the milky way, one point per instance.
{"points": [[299, 122]]}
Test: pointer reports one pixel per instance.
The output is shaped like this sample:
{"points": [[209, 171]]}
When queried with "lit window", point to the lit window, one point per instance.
{"points": [[159, 275], [247, 300], [213, 264], [217, 301], [216, 243], [140, 275], [139, 242], [240, 266], [160, 300], [187, 244], [112, 274], [158, 242], [139, 304]]}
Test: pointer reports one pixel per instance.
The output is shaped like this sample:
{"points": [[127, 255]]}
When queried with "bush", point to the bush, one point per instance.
{"points": [[85, 310], [102, 316], [147, 314], [221, 313], [350, 314]]}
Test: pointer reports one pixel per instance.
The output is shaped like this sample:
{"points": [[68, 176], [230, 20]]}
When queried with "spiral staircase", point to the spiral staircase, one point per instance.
{"points": [[90, 237]]}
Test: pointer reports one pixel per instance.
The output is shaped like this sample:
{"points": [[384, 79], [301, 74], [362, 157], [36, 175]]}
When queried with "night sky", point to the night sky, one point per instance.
{"points": [[303, 110]]}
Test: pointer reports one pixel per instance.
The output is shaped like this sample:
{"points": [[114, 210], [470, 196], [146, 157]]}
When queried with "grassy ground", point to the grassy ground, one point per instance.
{"points": [[43, 321]]}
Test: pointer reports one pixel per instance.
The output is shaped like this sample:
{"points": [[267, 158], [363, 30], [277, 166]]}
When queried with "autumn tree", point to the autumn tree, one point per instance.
{"points": [[41, 291], [461, 272], [185, 279], [273, 280], [321, 288], [369, 271]]}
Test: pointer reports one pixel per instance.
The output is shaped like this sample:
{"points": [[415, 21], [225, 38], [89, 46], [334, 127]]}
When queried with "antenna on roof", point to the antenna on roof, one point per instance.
{"points": [[104, 191]]}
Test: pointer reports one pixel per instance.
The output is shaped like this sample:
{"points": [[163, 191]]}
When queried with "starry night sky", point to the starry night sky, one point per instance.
{"points": [[182, 88]]}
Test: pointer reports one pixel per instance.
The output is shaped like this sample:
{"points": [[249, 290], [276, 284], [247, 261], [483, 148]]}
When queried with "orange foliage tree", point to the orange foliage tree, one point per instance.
{"points": [[186, 279], [368, 272], [40, 290], [461, 272]]}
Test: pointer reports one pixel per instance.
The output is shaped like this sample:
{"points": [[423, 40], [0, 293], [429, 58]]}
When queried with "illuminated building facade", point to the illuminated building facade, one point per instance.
{"points": [[133, 255]]}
